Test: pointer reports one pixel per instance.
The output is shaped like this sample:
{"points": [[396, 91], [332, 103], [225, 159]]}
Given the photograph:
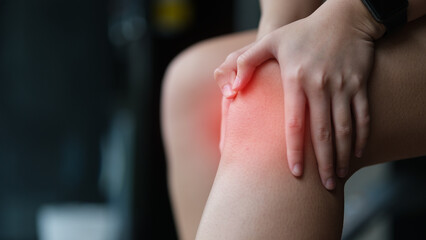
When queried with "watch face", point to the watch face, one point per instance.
{"points": [[387, 8]]}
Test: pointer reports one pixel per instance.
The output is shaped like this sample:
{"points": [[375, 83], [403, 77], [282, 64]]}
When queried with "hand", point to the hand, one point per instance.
{"points": [[275, 14], [225, 73], [325, 60]]}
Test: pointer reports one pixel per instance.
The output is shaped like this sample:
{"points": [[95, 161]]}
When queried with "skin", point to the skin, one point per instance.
{"points": [[255, 196], [275, 14], [191, 127], [195, 121], [191, 116], [332, 85]]}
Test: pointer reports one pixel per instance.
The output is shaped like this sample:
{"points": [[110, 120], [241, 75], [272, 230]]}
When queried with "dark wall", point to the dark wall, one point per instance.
{"points": [[55, 88], [61, 79], [153, 219]]}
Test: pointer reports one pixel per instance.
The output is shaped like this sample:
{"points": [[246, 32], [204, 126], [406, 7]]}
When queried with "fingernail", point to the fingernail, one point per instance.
{"points": [[237, 83], [227, 91], [297, 170], [330, 184], [358, 153], [342, 172]]}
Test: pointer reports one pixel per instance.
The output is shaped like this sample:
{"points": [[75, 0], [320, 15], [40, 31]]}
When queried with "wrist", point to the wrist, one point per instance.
{"points": [[276, 14], [271, 22], [356, 14], [267, 25], [370, 25]]}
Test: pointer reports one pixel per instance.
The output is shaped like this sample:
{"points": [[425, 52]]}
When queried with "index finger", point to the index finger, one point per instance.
{"points": [[295, 103], [226, 72]]}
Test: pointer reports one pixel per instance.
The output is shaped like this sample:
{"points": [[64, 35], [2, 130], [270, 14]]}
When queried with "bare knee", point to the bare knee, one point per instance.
{"points": [[257, 113], [186, 78], [253, 179], [256, 123], [189, 77], [190, 106]]}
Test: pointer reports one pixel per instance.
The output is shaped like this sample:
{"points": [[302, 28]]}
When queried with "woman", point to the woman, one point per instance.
{"points": [[273, 120]]}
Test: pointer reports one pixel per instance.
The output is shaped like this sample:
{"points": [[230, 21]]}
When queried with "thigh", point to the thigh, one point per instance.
{"points": [[191, 123], [397, 98]]}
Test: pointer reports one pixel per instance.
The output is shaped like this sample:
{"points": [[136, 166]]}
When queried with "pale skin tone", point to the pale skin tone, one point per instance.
{"points": [[319, 72], [396, 133]]}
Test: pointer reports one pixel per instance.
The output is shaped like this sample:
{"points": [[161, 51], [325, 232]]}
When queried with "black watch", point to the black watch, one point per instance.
{"points": [[391, 13]]}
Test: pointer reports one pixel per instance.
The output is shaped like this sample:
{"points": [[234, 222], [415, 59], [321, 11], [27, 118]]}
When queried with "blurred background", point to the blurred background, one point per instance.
{"points": [[80, 147]]}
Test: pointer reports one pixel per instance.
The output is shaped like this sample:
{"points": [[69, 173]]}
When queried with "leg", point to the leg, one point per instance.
{"points": [[254, 195], [190, 123], [397, 98]]}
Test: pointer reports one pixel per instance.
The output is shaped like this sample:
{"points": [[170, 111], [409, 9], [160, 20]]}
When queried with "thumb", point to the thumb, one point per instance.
{"points": [[249, 60]]}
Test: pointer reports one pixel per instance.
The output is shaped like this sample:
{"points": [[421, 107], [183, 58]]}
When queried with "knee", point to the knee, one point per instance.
{"points": [[190, 104], [177, 82], [188, 78], [257, 113]]}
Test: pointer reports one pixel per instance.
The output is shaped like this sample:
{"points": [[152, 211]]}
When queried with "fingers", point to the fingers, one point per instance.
{"points": [[362, 118], [223, 77], [243, 63], [225, 73], [295, 103], [249, 60], [321, 134], [225, 107], [342, 132]]}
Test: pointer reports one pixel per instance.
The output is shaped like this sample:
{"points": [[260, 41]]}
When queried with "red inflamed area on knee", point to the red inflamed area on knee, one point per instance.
{"points": [[254, 122]]}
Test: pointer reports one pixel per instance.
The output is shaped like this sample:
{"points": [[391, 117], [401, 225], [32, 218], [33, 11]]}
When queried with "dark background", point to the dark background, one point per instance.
{"points": [[80, 140], [80, 85]]}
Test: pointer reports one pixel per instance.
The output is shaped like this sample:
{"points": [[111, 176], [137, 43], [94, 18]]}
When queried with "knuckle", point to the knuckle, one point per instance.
{"points": [[296, 75], [364, 121], [218, 73], [295, 125], [242, 60], [339, 84], [231, 56], [323, 134], [357, 81], [343, 131], [321, 83], [300, 73], [295, 151]]}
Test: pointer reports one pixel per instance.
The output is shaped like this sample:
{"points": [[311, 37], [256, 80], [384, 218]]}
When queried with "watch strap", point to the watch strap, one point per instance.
{"points": [[392, 22]]}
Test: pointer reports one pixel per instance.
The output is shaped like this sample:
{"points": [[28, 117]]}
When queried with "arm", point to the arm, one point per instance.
{"points": [[415, 10], [277, 13]]}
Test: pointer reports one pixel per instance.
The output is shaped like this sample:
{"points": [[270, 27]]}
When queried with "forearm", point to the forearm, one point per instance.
{"points": [[277, 13], [362, 18]]}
